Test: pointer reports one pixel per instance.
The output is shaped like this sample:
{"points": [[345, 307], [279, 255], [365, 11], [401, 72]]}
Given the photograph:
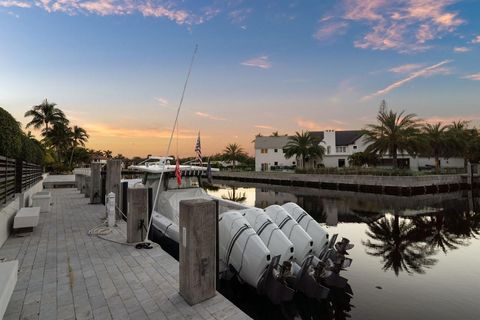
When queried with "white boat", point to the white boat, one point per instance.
{"points": [[268, 249]]}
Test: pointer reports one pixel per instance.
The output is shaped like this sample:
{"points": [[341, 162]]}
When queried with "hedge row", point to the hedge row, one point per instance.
{"points": [[15, 144]]}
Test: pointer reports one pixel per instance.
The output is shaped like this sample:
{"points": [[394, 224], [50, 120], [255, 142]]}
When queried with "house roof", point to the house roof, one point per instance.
{"points": [[342, 138], [271, 142]]}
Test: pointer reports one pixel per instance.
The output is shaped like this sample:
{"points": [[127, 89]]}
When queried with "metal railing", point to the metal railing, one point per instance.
{"points": [[17, 176]]}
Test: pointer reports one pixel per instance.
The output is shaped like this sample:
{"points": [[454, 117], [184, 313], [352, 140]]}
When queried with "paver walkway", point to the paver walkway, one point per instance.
{"points": [[66, 274]]}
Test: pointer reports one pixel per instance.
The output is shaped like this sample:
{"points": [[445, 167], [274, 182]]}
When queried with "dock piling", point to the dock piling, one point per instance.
{"points": [[197, 250], [137, 216]]}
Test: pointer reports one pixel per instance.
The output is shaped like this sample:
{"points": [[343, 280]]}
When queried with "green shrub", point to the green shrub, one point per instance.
{"points": [[10, 135], [32, 151]]}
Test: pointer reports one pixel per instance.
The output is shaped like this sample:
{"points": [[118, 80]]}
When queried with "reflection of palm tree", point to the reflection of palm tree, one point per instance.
{"points": [[232, 196], [465, 224], [396, 244], [433, 229]]}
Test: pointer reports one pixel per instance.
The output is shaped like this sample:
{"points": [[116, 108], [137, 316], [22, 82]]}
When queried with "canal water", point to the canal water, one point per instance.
{"points": [[414, 257]]}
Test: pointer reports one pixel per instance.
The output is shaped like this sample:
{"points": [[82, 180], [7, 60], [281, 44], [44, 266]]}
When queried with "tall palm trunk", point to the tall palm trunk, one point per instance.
{"points": [[71, 156], [437, 161], [394, 159]]}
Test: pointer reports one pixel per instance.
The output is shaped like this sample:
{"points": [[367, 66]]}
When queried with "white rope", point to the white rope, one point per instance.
{"points": [[170, 142]]}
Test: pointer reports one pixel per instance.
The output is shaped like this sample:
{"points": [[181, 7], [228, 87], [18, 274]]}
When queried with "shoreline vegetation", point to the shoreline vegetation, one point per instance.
{"points": [[61, 147]]}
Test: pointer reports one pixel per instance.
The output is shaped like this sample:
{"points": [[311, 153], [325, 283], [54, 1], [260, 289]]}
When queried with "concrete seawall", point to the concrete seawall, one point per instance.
{"points": [[396, 185]]}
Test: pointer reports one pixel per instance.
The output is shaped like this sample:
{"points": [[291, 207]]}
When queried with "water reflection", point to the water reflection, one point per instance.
{"points": [[336, 307], [395, 241], [427, 237]]}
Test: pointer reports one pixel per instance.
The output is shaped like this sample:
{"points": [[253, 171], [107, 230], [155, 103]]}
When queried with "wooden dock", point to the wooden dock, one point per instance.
{"points": [[66, 274]]}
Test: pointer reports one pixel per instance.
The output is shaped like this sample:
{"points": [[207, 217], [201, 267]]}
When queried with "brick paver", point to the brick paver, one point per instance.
{"points": [[66, 274]]}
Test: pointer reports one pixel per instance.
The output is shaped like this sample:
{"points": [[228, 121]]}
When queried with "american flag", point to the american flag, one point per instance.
{"points": [[198, 149], [178, 172]]}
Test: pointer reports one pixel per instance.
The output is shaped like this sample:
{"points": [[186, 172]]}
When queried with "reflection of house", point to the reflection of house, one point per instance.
{"points": [[266, 197], [339, 145]]}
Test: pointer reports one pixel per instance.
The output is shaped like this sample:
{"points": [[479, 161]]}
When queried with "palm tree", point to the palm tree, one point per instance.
{"points": [[78, 137], [274, 134], [465, 140], [233, 152], [303, 145], [107, 154], [436, 139], [58, 137], [45, 114], [394, 132]]}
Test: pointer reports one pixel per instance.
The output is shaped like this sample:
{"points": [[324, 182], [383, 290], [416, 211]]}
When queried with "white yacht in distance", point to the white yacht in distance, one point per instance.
{"points": [[278, 250]]}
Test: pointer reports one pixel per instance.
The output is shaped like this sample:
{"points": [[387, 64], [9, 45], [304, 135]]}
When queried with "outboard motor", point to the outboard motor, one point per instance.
{"points": [[302, 242], [312, 227], [271, 235], [240, 248]]}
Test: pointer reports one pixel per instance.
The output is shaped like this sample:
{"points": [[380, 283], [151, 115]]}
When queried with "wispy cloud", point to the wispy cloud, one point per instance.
{"points": [[402, 25], [461, 49], [262, 126], [239, 16], [328, 28], [107, 130], [161, 101], [14, 3], [406, 68], [307, 124], [149, 8], [450, 119], [209, 116], [261, 62], [428, 71], [476, 40], [311, 125], [473, 76]]}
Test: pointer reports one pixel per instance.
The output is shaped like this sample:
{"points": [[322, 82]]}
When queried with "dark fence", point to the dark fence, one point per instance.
{"points": [[17, 176]]}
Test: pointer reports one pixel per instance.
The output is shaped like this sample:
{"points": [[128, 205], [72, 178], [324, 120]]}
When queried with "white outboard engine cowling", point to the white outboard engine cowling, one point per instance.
{"points": [[314, 230], [241, 248], [275, 240], [302, 242]]}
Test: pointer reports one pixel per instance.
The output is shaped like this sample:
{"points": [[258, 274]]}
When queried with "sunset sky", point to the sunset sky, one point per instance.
{"points": [[117, 67]]}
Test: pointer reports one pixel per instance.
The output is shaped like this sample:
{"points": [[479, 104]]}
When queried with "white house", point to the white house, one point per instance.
{"points": [[269, 153], [339, 145]]}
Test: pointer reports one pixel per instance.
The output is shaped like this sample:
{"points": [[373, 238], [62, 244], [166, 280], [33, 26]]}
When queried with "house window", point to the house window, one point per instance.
{"points": [[293, 162], [263, 150], [354, 147], [341, 163], [275, 150], [341, 149], [328, 149], [275, 163]]}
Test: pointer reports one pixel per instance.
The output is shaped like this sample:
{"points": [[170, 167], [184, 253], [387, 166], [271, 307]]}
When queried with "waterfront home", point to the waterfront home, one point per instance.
{"points": [[339, 145]]}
